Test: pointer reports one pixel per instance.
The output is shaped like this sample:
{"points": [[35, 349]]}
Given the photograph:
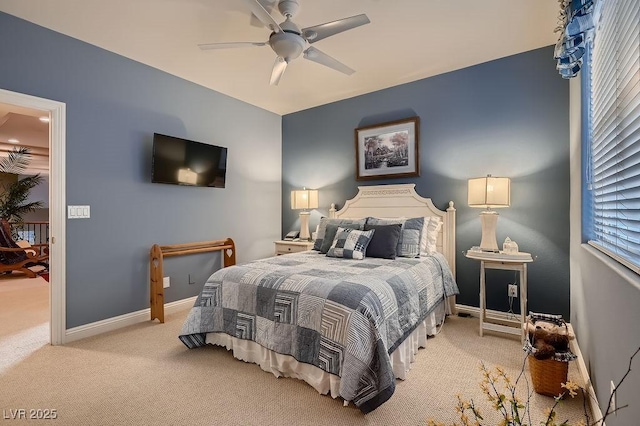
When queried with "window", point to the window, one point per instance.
{"points": [[612, 216]]}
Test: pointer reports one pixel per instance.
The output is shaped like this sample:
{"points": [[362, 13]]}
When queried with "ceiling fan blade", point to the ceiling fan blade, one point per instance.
{"points": [[315, 55], [278, 70], [322, 31], [212, 46], [268, 5], [264, 16]]}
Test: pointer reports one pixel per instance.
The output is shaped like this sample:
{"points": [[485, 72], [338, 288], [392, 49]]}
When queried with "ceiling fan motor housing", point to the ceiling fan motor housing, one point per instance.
{"points": [[288, 8], [287, 43]]}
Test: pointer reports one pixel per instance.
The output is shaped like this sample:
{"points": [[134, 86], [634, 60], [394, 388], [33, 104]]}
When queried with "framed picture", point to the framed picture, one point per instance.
{"points": [[388, 150]]}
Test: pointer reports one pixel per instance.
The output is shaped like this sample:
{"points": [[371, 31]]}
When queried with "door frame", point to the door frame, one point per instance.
{"points": [[57, 200]]}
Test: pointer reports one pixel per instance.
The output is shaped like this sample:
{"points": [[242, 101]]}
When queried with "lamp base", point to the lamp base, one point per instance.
{"points": [[489, 220], [304, 226]]}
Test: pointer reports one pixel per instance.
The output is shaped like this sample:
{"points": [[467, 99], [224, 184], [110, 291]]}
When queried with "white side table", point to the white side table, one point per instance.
{"points": [[508, 263], [289, 246]]}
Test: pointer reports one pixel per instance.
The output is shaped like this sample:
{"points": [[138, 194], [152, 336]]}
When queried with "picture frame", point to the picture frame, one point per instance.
{"points": [[388, 150]]}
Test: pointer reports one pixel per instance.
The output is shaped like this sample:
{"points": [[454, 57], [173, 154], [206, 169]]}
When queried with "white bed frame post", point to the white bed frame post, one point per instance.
{"points": [[449, 237], [449, 249]]}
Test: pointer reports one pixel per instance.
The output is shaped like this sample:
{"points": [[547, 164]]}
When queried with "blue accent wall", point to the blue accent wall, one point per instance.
{"points": [[508, 117], [113, 106]]}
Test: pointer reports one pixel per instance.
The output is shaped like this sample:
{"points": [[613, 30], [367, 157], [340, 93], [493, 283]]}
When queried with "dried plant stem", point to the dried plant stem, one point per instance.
{"points": [[527, 411], [584, 405], [511, 416], [615, 390], [500, 404]]}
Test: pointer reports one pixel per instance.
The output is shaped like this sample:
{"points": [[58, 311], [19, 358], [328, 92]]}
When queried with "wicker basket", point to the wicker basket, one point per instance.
{"points": [[548, 375]]}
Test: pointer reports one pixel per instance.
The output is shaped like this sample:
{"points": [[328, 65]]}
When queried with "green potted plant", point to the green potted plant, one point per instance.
{"points": [[14, 196]]}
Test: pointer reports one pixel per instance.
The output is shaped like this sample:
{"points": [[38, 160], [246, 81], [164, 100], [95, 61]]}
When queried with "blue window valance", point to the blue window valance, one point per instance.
{"points": [[575, 21]]}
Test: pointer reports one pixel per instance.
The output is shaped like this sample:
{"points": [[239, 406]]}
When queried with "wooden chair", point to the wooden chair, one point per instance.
{"points": [[15, 258]]}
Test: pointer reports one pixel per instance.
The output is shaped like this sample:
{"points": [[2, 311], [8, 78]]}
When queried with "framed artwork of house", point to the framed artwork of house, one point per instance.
{"points": [[388, 150]]}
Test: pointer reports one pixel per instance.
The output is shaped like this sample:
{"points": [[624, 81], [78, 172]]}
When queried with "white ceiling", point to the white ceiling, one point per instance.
{"points": [[406, 40], [24, 125]]}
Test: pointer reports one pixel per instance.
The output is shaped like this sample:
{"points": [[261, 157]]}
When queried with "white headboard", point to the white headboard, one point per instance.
{"points": [[402, 200]]}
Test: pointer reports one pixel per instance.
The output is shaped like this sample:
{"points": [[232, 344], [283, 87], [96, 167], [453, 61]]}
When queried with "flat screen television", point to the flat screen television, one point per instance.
{"points": [[183, 162]]}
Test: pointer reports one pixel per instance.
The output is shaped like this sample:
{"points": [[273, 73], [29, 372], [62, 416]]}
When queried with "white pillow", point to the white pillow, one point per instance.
{"points": [[430, 231]]}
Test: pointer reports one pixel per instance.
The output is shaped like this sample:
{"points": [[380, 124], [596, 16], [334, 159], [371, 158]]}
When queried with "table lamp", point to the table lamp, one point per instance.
{"points": [[304, 199], [489, 193]]}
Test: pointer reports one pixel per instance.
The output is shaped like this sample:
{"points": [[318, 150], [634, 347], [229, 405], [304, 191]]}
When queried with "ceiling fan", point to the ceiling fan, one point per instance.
{"points": [[288, 41]]}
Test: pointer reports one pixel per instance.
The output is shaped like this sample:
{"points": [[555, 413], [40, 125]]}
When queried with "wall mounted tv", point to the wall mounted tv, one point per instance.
{"points": [[183, 162]]}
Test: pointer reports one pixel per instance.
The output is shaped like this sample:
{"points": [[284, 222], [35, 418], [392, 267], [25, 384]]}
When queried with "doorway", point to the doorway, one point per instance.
{"points": [[57, 224]]}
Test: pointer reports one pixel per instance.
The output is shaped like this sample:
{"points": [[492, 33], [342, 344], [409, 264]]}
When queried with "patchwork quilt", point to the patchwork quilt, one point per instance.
{"points": [[341, 315]]}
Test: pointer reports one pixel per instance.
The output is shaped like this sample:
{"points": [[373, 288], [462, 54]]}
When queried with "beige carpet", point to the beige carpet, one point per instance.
{"points": [[24, 318], [143, 375], [24, 303]]}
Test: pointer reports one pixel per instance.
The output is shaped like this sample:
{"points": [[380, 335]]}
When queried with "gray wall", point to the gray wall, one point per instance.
{"points": [[605, 299], [508, 117], [114, 105]]}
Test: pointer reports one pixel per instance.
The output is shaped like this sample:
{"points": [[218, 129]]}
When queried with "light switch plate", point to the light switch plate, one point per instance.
{"points": [[78, 212]]}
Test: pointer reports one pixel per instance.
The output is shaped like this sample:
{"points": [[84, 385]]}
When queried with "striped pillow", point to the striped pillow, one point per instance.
{"points": [[430, 231]]}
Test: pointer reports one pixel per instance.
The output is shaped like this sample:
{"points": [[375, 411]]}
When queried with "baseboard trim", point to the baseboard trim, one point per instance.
{"points": [[575, 348], [584, 372], [110, 324], [475, 312]]}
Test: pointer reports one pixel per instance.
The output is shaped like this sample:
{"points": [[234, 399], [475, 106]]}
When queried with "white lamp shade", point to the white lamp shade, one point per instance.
{"points": [[304, 199], [489, 192]]}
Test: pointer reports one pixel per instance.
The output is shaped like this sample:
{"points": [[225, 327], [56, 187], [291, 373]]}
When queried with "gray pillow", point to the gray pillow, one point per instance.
{"points": [[330, 234], [384, 242], [322, 227], [410, 236]]}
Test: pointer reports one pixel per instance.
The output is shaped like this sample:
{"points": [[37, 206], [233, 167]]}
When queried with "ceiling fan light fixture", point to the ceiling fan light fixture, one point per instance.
{"points": [[287, 45]]}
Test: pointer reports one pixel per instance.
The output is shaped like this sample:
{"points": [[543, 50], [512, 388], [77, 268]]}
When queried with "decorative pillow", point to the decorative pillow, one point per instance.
{"points": [[384, 242], [322, 227], [430, 231], [350, 243], [330, 234], [410, 236]]}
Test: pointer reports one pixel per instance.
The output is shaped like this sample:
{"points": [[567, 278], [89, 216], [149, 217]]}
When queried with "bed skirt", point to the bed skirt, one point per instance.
{"points": [[320, 380]]}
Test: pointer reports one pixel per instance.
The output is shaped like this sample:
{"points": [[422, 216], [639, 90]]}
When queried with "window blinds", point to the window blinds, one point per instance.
{"points": [[615, 132]]}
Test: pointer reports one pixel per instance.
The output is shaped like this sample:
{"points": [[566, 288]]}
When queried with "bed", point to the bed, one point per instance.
{"points": [[347, 327]]}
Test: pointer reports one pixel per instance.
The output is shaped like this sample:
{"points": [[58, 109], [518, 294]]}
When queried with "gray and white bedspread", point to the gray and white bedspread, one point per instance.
{"points": [[343, 316]]}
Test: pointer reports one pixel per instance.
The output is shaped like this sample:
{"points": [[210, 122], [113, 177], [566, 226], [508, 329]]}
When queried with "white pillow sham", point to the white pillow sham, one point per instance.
{"points": [[429, 239]]}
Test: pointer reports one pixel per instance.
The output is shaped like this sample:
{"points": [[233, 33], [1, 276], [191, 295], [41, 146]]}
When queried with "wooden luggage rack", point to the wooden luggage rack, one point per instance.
{"points": [[157, 254]]}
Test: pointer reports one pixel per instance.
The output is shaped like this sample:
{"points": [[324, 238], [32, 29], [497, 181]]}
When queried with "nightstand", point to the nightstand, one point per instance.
{"points": [[517, 262], [286, 247]]}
